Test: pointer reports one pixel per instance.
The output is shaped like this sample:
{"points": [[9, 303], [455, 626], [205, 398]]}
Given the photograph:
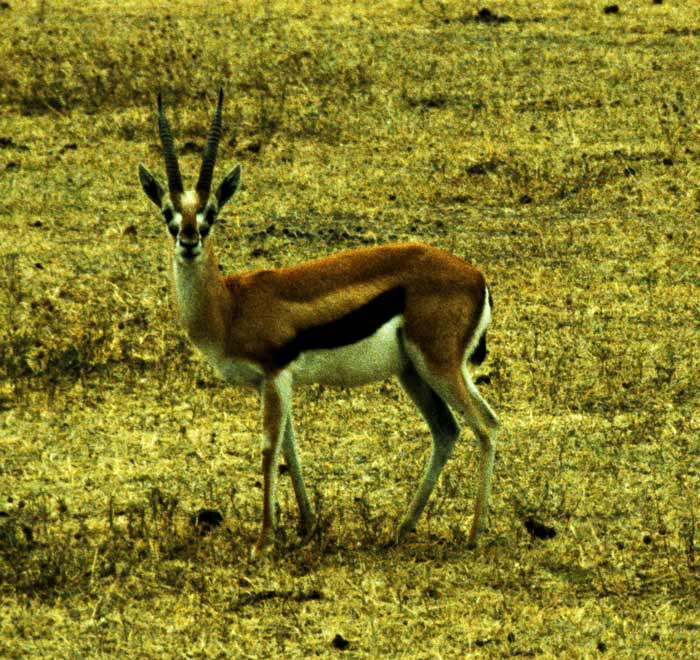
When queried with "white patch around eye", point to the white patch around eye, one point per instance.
{"points": [[174, 224], [203, 227]]}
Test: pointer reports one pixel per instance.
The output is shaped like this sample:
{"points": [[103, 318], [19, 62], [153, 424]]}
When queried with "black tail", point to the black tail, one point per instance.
{"points": [[480, 352]]}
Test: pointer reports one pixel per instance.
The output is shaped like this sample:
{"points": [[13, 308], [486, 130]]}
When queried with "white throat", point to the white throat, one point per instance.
{"points": [[190, 290]]}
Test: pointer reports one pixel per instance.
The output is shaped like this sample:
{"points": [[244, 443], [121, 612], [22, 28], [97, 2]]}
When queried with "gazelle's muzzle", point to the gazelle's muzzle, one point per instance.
{"points": [[189, 242], [189, 249]]}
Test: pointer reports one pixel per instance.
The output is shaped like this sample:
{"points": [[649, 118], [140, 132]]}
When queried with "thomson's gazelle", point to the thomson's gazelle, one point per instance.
{"points": [[407, 310]]}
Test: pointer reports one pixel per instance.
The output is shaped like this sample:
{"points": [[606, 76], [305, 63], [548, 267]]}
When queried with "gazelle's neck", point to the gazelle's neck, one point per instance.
{"points": [[200, 294]]}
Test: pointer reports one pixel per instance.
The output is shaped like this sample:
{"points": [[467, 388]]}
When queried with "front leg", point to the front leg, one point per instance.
{"points": [[291, 456], [276, 396]]}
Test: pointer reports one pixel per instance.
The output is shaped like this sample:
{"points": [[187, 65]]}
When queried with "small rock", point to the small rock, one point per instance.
{"points": [[539, 530], [206, 519], [485, 15]]}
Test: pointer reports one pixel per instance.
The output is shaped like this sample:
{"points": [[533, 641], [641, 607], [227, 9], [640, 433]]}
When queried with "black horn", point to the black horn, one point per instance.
{"points": [[171, 166], [209, 159]]}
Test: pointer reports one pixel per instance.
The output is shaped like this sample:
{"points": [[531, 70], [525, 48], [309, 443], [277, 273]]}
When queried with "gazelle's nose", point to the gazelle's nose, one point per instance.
{"points": [[188, 234], [188, 249], [188, 241]]}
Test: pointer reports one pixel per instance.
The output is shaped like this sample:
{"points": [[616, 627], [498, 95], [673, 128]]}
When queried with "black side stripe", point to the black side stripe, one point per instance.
{"points": [[349, 329]]}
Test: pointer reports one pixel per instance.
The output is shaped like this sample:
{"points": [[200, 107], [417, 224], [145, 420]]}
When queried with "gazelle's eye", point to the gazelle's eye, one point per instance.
{"points": [[169, 216], [204, 231], [210, 215]]}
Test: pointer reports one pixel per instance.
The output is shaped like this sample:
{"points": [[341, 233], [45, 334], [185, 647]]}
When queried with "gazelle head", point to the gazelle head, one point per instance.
{"points": [[189, 214]]}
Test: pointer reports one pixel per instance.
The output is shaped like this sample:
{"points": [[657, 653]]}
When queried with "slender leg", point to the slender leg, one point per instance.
{"points": [[445, 431], [276, 395], [486, 431], [459, 391], [291, 457]]}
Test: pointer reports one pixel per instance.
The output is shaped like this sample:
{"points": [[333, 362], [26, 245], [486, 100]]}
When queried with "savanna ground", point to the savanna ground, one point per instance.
{"points": [[554, 145]]}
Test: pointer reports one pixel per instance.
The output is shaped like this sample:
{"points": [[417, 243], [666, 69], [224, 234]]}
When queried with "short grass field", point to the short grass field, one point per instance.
{"points": [[555, 145]]}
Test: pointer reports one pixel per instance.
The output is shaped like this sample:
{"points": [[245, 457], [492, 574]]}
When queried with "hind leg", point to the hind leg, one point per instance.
{"points": [[458, 390], [445, 432], [485, 427]]}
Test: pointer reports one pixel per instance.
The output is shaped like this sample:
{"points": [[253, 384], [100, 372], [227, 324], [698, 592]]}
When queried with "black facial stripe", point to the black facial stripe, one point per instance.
{"points": [[172, 228], [349, 329]]}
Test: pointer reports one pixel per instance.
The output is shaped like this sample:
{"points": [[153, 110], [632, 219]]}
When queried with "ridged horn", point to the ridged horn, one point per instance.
{"points": [[166, 138], [209, 158]]}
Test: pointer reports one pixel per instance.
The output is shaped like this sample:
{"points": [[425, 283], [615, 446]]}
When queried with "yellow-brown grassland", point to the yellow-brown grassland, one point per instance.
{"points": [[555, 145]]}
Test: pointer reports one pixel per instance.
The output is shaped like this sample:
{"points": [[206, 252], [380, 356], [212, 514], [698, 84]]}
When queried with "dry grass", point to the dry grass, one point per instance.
{"points": [[557, 150]]}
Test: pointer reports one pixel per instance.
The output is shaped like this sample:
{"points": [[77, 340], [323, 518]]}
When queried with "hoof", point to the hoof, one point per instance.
{"points": [[307, 530], [474, 534], [405, 528], [261, 550]]}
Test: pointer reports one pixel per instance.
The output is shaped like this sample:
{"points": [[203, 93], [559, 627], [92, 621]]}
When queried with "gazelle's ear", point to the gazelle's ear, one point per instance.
{"points": [[228, 186], [150, 186]]}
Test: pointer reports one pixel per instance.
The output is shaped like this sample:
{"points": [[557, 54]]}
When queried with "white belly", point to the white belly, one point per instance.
{"points": [[375, 358]]}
